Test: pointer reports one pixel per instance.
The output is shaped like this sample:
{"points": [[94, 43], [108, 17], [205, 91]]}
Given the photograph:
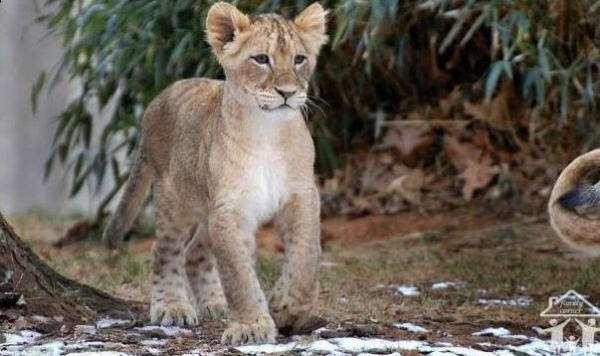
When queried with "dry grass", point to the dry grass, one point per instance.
{"points": [[504, 261]]}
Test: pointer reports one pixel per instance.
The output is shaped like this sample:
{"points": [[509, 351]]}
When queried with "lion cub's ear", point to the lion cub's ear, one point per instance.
{"points": [[223, 23], [312, 23]]}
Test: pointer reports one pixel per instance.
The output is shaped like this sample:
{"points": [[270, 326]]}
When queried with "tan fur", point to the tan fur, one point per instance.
{"points": [[223, 158], [578, 231]]}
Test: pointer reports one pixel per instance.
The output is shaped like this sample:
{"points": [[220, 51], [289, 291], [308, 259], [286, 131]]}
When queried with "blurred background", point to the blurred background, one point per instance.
{"points": [[25, 139], [419, 105]]}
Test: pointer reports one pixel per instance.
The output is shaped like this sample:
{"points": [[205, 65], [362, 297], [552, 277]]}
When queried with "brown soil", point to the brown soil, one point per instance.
{"points": [[381, 227]]}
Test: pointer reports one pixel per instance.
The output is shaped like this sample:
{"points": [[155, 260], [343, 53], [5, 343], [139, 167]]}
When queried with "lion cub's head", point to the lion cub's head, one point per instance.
{"points": [[268, 58]]}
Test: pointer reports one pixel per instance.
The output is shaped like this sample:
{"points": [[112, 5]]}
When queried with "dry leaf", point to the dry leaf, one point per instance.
{"points": [[411, 140], [475, 168], [408, 186], [497, 113], [478, 175], [450, 102], [461, 153], [361, 205], [481, 139]]}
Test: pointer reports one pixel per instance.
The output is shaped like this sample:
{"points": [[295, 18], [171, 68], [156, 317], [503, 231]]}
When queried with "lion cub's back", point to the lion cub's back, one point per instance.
{"points": [[182, 112], [194, 94]]}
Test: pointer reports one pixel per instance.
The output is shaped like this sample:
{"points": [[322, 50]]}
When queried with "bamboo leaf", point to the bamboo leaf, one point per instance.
{"points": [[544, 63], [564, 87], [475, 26], [493, 77], [458, 25], [37, 87]]}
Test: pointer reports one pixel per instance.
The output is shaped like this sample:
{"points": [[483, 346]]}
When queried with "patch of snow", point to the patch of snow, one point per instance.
{"points": [[11, 350], [198, 352], [498, 332], [516, 302], [537, 347], [503, 352], [23, 337], [154, 342], [89, 346], [445, 285], [322, 346], [541, 347], [154, 351], [266, 348], [486, 344], [441, 343], [320, 330], [167, 330], [457, 350], [356, 345], [86, 345], [51, 348], [359, 346], [335, 346], [108, 323], [406, 290], [409, 344], [411, 327], [98, 353]]}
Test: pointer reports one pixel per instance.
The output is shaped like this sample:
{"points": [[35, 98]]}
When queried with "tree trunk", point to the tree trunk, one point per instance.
{"points": [[24, 276]]}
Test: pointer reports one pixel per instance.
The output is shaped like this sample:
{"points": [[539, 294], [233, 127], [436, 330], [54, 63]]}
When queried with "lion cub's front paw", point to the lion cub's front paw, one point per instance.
{"points": [[262, 331], [174, 313], [292, 318]]}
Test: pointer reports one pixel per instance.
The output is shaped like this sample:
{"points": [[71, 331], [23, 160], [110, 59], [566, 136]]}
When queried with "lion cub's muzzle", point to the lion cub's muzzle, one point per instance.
{"points": [[284, 99]]}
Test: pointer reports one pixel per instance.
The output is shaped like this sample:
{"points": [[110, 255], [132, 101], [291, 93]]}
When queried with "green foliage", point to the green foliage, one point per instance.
{"points": [[384, 55]]}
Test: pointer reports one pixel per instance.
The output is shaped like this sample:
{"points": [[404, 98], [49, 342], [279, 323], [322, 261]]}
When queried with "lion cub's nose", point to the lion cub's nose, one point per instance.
{"points": [[286, 94]]}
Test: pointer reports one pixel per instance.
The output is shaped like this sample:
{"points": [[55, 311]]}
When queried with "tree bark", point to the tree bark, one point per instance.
{"points": [[47, 293]]}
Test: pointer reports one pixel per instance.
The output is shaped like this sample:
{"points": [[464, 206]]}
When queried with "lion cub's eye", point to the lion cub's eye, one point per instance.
{"points": [[299, 59], [261, 58]]}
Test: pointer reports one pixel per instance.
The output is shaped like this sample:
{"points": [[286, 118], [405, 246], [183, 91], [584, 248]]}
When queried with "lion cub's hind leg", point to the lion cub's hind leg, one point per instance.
{"points": [[171, 297], [204, 278]]}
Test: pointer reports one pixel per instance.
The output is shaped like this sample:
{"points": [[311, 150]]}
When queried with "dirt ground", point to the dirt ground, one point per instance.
{"points": [[452, 274]]}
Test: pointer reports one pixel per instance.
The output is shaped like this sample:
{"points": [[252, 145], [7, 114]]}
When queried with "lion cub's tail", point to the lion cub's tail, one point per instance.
{"points": [[568, 200], [136, 190]]}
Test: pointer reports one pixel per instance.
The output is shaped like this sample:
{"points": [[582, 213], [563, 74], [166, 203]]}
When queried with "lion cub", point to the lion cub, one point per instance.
{"points": [[222, 158]]}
